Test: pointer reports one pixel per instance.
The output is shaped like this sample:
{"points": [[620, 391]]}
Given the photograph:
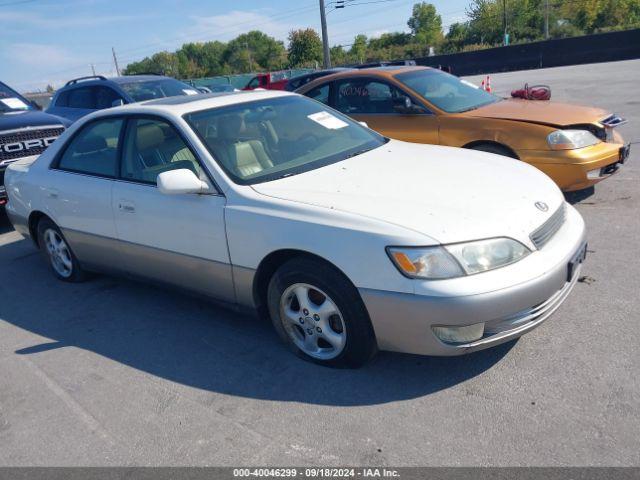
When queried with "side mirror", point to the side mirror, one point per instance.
{"points": [[117, 103], [181, 181], [364, 124]]}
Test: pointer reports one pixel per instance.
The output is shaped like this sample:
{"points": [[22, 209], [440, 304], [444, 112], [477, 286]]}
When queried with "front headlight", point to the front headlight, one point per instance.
{"points": [[571, 139], [457, 260], [486, 255]]}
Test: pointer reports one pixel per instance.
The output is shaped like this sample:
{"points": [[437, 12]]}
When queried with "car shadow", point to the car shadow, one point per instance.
{"points": [[5, 224], [196, 343], [580, 195]]}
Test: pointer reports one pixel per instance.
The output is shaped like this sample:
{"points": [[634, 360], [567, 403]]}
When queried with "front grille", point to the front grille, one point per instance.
{"points": [[548, 229], [19, 136]]}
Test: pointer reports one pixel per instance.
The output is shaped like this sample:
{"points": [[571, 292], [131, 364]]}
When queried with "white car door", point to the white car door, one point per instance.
{"points": [[77, 192], [175, 239]]}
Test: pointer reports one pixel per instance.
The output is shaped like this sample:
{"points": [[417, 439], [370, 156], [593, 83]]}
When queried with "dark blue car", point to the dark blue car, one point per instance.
{"points": [[85, 95], [24, 130]]}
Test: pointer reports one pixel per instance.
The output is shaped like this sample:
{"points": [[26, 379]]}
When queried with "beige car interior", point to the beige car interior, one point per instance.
{"points": [[240, 150]]}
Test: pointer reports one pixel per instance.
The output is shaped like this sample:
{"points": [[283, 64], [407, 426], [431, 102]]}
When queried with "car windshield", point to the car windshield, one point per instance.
{"points": [[445, 91], [11, 101], [264, 140], [163, 87]]}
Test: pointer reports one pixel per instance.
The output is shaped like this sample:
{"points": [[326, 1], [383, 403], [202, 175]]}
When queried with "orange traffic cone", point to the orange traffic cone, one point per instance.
{"points": [[488, 84]]}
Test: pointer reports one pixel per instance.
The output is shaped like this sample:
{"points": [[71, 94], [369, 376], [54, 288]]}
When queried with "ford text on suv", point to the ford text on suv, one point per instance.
{"points": [[84, 95], [24, 131]]}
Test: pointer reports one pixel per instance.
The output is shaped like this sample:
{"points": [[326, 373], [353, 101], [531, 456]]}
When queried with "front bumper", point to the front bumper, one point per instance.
{"points": [[581, 168], [403, 322]]}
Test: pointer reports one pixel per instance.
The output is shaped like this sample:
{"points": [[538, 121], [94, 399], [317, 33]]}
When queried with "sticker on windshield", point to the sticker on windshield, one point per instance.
{"points": [[327, 120], [188, 91], [14, 103]]}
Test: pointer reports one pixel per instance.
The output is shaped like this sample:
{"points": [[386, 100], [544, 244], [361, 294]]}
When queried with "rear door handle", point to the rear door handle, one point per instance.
{"points": [[126, 207]]}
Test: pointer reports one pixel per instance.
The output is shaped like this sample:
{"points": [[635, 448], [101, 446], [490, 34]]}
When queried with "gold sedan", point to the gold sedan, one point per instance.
{"points": [[575, 145]]}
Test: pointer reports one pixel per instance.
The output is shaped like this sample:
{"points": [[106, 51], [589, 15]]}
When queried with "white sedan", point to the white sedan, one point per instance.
{"points": [[349, 241]]}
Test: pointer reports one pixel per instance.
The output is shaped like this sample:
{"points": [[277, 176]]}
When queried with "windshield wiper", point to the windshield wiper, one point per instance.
{"points": [[359, 152]]}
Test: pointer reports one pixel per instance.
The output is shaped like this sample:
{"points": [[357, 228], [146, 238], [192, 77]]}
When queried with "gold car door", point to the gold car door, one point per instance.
{"points": [[386, 109]]}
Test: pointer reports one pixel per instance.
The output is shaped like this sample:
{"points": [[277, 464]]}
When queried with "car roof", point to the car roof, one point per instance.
{"points": [[139, 78], [91, 81], [386, 71], [192, 103]]}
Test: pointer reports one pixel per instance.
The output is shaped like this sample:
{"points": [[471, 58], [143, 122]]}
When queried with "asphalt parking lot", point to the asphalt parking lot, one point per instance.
{"points": [[112, 372]]}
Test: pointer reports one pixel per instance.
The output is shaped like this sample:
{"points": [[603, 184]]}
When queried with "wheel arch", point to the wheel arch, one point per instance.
{"points": [[34, 219], [271, 263], [477, 143]]}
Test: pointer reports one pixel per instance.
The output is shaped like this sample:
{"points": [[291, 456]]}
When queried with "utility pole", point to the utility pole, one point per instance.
{"points": [[325, 36], [546, 19], [504, 23], [93, 69], [115, 61]]}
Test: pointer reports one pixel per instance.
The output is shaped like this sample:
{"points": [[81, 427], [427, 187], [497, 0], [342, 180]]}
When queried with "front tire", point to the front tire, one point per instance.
{"points": [[319, 314], [58, 253]]}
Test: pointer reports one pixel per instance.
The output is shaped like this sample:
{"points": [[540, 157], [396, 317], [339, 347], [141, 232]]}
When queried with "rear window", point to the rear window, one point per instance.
{"points": [[83, 97]]}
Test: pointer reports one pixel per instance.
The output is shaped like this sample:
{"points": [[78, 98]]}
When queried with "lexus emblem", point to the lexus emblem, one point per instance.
{"points": [[543, 207]]}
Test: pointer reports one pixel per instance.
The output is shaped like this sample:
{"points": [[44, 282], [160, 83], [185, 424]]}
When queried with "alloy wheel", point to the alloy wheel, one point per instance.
{"points": [[58, 252], [313, 321]]}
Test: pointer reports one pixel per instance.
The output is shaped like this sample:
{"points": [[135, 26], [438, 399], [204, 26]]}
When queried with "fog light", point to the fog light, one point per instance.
{"points": [[466, 334], [593, 174]]}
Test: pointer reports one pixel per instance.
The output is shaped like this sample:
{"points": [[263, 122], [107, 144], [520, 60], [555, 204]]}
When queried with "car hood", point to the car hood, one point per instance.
{"points": [[545, 112], [28, 118], [448, 194]]}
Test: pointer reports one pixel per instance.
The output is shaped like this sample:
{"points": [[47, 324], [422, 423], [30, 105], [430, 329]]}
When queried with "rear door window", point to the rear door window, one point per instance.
{"points": [[364, 96], [83, 97], [94, 150]]}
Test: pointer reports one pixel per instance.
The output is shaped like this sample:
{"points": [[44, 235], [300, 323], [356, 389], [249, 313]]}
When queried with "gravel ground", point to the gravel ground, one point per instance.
{"points": [[112, 372]]}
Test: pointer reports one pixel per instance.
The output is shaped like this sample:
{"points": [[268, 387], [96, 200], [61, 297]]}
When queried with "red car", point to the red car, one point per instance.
{"points": [[268, 81]]}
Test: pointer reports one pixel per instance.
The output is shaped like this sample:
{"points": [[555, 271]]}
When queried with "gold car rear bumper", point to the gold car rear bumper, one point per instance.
{"points": [[580, 168]]}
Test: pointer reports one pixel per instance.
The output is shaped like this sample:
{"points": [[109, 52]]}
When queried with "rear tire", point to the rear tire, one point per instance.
{"points": [[496, 149], [58, 253], [319, 314]]}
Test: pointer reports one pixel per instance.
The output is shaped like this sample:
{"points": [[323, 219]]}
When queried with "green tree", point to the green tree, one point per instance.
{"points": [[253, 51], [305, 47], [338, 55], [358, 51], [456, 38], [426, 24]]}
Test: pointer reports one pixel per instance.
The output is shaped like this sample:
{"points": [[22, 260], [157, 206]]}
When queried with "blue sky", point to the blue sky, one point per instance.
{"points": [[50, 41]]}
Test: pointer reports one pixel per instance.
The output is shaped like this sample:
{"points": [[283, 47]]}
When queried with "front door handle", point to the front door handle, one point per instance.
{"points": [[126, 207]]}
